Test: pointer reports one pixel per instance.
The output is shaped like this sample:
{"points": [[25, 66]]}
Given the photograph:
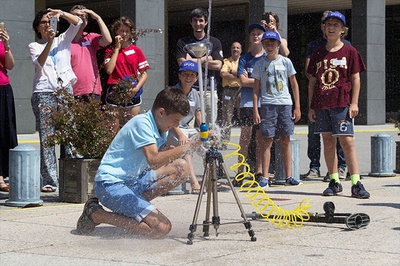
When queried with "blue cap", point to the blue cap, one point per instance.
{"points": [[256, 26], [271, 34], [338, 15], [188, 65]]}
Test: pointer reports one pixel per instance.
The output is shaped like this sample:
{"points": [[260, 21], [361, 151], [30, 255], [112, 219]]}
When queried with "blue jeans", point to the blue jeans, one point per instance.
{"points": [[314, 149]]}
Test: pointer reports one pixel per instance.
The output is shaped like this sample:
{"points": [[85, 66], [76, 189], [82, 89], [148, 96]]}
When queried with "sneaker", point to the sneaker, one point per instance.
{"points": [[342, 173], [358, 191], [333, 188], [263, 182], [85, 224], [236, 183], [326, 178], [292, 182], [312, 173]]}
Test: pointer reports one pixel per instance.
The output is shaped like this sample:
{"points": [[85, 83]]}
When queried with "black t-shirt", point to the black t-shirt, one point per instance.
{"points": [[215, 52]]}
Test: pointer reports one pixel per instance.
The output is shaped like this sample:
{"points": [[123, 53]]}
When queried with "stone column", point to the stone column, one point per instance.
{"points": [[368, 37], [150, 14], [18, 17], [258, 7]]}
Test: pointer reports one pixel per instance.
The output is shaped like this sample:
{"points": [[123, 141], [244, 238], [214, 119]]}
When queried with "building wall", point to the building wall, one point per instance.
{"points": [[18, 16]]}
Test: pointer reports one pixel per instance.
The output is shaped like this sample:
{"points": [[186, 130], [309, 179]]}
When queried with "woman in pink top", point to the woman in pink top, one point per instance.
{"points": [[124, 60], [8, 128]]}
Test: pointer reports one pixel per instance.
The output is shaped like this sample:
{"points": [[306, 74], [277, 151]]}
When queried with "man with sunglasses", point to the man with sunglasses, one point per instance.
{"points": [[83, 54]]}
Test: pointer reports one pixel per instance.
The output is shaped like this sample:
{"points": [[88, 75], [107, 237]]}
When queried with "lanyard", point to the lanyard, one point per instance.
{"points": [[52, 55]]}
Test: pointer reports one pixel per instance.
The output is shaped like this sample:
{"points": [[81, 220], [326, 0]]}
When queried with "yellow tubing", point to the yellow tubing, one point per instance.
{"points": [[262, 202]]}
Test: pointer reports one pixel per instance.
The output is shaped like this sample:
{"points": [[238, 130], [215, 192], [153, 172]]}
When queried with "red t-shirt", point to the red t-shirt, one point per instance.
{"points": [[333, 72], [130, 61], [84, 64]]}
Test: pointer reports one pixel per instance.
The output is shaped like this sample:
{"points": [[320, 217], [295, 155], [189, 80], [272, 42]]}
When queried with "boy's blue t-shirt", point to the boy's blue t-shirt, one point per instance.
{"points": [[124, 159], [273, 76], [247, 62]]}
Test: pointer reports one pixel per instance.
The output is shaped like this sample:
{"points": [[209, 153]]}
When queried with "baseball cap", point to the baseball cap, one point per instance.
{"points": [[256, 26], [271, 34], [188, 65], [338, 15]]}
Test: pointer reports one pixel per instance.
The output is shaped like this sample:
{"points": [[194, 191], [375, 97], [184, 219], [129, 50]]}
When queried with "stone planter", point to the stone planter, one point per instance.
{"points": [[77, 179]]}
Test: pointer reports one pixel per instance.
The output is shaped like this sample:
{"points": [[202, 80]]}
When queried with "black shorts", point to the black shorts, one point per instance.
{"points": [[246, 117]]}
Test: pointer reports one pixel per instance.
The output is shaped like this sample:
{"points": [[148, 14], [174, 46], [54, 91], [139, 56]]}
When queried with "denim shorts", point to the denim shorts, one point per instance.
{"points": [[336, 121], [126, 197], [276, 120]]}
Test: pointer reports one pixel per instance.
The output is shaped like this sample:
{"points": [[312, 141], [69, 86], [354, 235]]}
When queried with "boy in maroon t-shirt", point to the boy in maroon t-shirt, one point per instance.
{"points": [[333, 92]]}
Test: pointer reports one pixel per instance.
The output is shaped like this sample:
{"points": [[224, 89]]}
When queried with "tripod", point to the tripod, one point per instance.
{"points": [[214, 162]]}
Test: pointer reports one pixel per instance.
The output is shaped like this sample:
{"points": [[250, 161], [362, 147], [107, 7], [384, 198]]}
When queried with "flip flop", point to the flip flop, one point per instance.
{"points": [[196, 191], [221, 187], [49, 189]]}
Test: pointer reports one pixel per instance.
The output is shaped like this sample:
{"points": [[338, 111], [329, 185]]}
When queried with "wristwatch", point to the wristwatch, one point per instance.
{"points": [[7, 49]]}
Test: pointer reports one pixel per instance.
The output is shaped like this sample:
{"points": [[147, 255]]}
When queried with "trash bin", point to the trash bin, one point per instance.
{"points": [[24, 177], [381, 155], [280, 174]]}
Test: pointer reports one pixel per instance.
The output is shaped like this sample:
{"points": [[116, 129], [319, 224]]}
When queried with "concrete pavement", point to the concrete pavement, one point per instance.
{"points": [[47, 236]]}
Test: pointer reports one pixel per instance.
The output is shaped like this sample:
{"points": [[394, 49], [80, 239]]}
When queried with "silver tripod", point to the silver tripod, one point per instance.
{"points": [[214, 163]]}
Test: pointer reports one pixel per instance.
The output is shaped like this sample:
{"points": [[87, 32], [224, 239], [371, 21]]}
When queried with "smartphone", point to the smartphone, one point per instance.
{"points": [[2, 26], [266, 18], [53, 23]]}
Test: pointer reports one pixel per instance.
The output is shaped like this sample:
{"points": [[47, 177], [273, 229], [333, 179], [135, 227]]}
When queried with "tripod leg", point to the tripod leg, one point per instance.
{"points": [[206, 222], [246, 222], [216, 218], [193, 226]]}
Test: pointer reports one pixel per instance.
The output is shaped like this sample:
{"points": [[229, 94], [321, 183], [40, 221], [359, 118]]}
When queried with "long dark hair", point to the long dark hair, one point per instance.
{"points": [[124, 21]]}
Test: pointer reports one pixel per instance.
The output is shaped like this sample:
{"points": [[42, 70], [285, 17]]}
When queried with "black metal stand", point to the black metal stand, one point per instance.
{"points": [[352, 220], [214, 163]]}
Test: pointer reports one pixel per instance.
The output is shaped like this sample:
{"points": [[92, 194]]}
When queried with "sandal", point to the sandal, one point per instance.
{"points": [[49, 188], [223, 187], [196, 191], [4, 187], [85, 224]]}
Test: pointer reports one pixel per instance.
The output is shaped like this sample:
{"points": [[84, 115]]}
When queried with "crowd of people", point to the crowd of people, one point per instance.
{"points": [[152, 151]]}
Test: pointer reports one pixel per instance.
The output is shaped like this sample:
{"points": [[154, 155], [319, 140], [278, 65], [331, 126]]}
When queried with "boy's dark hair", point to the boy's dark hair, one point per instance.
{"points": [[36, 21], [173, 100], [198, 13]]}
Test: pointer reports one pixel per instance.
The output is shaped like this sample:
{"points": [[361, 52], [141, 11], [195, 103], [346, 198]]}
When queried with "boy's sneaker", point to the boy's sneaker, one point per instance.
{"points": [[358, 191], [261, 180], [292, 182], [312, 173], [333, 188], [236, 183], [342, 173], [327, 178]]}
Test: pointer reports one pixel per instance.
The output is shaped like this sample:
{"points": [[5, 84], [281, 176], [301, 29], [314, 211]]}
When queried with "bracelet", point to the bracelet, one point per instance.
{"points": [[7, 49], [62, 14]]}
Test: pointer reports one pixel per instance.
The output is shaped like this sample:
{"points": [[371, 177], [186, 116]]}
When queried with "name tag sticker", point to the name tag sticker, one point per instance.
{"points": [[192, 103], [280, 67], [227, 97], [339, 62], [129, 52], [87, 43]]}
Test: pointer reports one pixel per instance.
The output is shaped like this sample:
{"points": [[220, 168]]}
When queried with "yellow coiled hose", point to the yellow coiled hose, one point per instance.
{"points": [[264, 205]]}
